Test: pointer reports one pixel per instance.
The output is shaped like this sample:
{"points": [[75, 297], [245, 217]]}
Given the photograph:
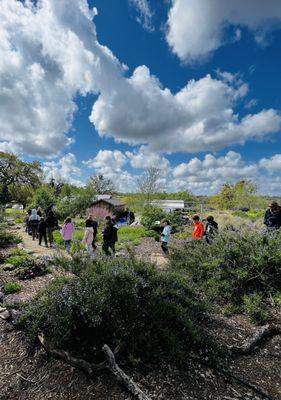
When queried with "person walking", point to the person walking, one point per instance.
{"points": [[166, 236], [109, 236], [198, 230], [211, 228], [33, 222], [42, 230], [51, 225], [94, 224], [88, 237], [67, 233]]}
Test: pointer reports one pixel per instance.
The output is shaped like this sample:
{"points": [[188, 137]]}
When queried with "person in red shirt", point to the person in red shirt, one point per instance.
{"points": [[198, 231]]}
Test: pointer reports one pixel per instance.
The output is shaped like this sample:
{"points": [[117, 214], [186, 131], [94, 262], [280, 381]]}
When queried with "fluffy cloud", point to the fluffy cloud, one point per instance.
{"points": [[272, 165], [109, 164], [206, 176], [49, 53], [64, 170], [144, 13], [196, 28], [199, 117], [144, 158]]}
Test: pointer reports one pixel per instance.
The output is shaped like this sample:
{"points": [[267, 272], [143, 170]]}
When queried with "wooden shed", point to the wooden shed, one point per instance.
{"points": [[100, 208]]}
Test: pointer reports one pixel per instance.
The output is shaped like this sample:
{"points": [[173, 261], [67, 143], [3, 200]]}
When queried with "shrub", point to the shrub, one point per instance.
{"points": [[16, 260], [7, 238], [233, 266], [11, 287], [30, 268], [152, 214], [255, 308], [152, 315]]}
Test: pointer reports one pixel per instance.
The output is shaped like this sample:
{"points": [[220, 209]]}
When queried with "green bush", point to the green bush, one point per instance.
{"points": [[30, 268], [150, 215], [255, 308], [8, 238], [11, 287], [16, 260], [233, 266], [152, 315]]}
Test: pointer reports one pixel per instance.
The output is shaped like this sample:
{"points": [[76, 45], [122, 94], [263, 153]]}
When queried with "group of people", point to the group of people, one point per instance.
{"points": [[42, 228], [110, 235], [200, 231]]}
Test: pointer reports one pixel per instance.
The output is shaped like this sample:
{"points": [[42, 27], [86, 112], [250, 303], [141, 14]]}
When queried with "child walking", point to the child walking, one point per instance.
{"points": [[67, 233], [166, 236], [198, 230], [89, 237]]}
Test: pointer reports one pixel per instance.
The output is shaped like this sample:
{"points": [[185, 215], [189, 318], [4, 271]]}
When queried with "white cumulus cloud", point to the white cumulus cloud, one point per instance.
{"points": [[49, 54], [196, 28], [199, 117], [272, 164], [64, 169]]}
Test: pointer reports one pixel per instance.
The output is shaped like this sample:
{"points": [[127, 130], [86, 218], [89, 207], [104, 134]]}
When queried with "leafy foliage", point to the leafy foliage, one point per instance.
{"points": [[233, 267], [119, 302], [75, 204], [151, 214], [31, 268], [15, 172], [7, 238], [233, 195], [44, 197], [11, 287]]}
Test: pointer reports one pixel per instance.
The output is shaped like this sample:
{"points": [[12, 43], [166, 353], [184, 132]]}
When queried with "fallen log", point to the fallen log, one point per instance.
{"points": [[121, 376], [89, 368], [247, 346]]}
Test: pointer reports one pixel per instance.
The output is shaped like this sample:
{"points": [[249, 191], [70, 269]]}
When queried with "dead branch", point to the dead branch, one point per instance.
{"points": [[79, 363], [110, 364], [121, 376], [247, 346]]}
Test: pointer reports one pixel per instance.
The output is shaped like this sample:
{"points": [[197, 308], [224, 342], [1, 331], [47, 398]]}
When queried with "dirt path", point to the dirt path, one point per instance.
{"points": [[32, 246]]}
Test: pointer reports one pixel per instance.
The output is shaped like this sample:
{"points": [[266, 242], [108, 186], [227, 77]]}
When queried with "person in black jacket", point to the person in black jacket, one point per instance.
{"points": [[51, 225], [274, 216], [211, 228], [109, 236], [42, 230]]}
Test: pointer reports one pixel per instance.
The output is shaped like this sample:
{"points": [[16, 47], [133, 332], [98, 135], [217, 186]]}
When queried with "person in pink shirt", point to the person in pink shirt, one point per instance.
{"points": [[67, 233]]}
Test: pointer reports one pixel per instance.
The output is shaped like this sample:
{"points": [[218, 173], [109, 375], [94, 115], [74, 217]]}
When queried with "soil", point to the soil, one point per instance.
{"points": [[28, 375]]}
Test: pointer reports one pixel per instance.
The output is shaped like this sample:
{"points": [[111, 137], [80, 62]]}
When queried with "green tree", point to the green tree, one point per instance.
{"points": [[15, 172], [239, 194], [44, 197], [76, 204]]}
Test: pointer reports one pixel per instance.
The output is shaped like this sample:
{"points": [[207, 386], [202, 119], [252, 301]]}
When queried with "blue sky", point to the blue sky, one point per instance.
{"points": [[199, 95]]}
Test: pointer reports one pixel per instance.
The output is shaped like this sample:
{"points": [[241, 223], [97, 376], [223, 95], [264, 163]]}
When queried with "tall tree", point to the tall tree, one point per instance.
{"points": [[16, 172], [148, 183], [102, 185]]}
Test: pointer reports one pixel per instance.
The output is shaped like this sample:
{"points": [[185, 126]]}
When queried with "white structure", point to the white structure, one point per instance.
{"points": [[168, 205]]}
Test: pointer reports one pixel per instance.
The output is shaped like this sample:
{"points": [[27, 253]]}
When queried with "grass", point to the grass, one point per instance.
{"points": [[11, 287]]}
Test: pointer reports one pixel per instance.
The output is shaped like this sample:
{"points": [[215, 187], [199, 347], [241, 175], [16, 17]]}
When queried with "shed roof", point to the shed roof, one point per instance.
{"points": [[113, 202]]}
